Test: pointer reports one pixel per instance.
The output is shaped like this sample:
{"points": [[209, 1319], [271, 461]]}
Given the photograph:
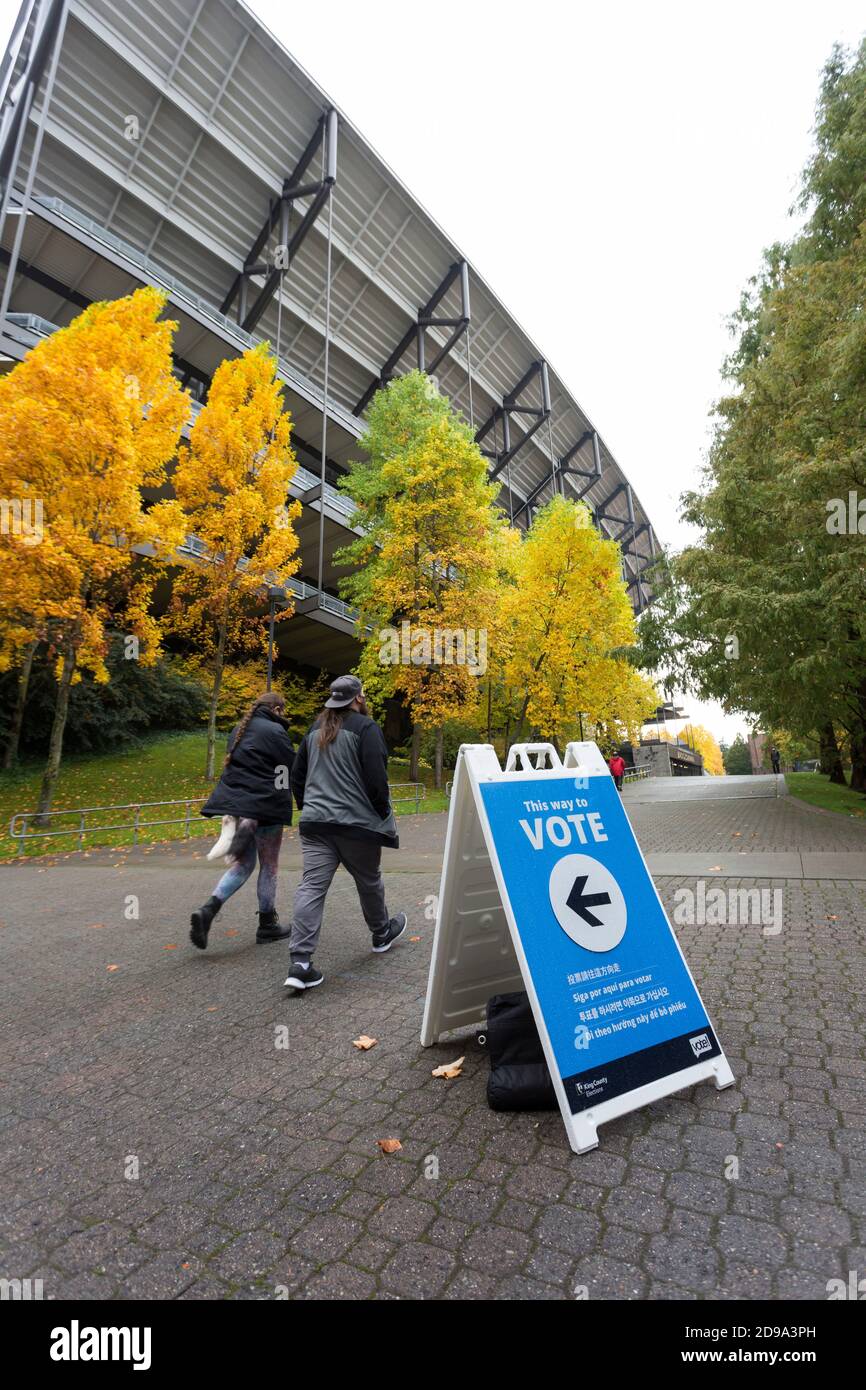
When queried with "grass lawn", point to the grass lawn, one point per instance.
{"points": [[818, 790], [170, 767]]}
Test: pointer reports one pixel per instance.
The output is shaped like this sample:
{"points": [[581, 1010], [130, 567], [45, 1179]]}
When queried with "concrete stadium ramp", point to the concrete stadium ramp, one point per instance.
{"points": [[654, 790]]}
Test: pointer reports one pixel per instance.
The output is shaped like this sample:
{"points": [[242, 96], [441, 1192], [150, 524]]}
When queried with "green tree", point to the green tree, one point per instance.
{"points": [[766, 614], [429, 557], [737, 760]]}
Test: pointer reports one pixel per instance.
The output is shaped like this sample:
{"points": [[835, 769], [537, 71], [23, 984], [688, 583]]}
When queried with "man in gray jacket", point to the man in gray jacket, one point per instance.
{"points": [[340, 784]]}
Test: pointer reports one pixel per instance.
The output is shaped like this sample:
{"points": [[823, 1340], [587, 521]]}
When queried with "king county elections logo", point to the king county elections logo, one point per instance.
{"points": [[588, 902]]}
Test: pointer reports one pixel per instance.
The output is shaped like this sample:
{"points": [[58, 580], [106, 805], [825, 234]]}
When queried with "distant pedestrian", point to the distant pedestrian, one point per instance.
{"points": [[340, 782], [617, 769], [255, 789], [776, 760]]}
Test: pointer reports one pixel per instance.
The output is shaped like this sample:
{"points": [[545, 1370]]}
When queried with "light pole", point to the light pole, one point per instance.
{"points": [[273, 595]]}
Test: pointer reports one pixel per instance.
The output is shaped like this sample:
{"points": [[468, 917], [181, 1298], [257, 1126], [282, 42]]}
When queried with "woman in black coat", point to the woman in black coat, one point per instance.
{"points": [[255, 788]]}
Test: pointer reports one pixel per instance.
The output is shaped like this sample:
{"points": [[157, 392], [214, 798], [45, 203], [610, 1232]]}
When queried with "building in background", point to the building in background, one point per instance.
{"points": [[661, 758], [177, 143]]}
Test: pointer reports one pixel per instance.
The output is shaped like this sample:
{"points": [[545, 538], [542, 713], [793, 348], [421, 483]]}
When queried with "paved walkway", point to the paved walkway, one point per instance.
{"points": [[174, 1126]]}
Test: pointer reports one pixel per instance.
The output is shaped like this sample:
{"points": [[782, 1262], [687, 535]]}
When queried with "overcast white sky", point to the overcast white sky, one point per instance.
{"points": [[614, 171]]}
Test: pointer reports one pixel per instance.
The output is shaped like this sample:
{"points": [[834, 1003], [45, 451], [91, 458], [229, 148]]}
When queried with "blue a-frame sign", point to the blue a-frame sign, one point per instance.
{"points": [[544, 888]]}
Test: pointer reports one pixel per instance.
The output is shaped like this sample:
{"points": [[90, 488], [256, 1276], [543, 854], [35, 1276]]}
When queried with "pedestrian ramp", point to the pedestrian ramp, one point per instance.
{"points": [[654, 790]]}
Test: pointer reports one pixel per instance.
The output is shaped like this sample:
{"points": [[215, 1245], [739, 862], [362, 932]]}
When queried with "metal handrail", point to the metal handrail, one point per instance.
{"points": [[416, 790], [200, 550], [20, 831], [19, 824], [303, 480]]}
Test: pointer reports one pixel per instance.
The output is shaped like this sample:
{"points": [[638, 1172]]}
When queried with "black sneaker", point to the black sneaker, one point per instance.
{"points": [[383, 940], [303, 975]]}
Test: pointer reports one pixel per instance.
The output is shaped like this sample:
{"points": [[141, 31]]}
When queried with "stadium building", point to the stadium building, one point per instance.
{"points": [[177, 143]]}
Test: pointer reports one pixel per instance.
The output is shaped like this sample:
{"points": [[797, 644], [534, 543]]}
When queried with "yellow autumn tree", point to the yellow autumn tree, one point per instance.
{"points": [[33, 590], [567, 618], [429, 558], [709, 750], [88, 421], [232, 481], [703, 742]]}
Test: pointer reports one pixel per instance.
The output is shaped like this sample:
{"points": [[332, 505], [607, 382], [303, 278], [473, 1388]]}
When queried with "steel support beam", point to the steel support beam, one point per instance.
{"points": [[618, 520], [563, 468], [294, 188], [511, 406], [54, 28], [416, 333], [15, 104]]}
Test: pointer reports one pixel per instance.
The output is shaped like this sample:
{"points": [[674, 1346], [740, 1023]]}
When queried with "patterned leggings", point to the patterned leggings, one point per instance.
{"points": [[266, 845]]}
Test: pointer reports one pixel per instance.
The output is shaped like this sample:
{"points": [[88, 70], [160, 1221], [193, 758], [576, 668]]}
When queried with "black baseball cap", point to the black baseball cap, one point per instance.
{"points": [[344, 690]]}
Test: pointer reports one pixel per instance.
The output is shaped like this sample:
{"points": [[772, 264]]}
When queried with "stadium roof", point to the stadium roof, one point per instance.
{"points": [[172, 133]]}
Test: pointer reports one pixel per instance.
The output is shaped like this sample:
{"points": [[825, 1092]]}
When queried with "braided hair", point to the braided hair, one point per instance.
{"points": [[269, 701]]}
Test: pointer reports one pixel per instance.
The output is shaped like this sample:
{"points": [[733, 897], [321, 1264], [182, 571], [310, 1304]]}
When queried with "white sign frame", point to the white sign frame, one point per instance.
{"points": [[477, 950]]}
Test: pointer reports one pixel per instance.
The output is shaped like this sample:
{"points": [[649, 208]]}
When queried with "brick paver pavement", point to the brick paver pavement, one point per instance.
{"points": [[158, 1140]]}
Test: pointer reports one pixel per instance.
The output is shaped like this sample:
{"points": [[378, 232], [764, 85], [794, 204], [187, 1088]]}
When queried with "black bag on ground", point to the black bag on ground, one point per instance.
{"points": [[519, 1079]]}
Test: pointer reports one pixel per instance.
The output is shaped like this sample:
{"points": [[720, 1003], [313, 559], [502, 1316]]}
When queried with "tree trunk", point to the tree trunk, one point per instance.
{"points": [[858, 742], [10, 756], [858, 764], [489, 710], [55, 746], [518, 733], [415, 756], [437, 764], [831, 761], [214, 700], [858, 759]]}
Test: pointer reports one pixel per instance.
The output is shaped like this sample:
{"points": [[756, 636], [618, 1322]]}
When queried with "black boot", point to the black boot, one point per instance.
{"points": [[201, 920], [270, 928]]}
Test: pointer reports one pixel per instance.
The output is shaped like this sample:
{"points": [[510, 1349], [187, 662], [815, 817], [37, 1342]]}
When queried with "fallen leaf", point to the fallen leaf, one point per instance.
{"points": [[169, 948], [364, 1043], [212, 1008], [95, 926], [831, 917], [112, 967], [232, 932], [389, 1146], [414, 938], [450, 1069], [714, 869]]}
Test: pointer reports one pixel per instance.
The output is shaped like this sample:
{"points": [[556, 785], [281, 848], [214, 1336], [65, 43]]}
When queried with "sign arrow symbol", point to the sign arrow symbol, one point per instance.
{"points": [[580, 901]]}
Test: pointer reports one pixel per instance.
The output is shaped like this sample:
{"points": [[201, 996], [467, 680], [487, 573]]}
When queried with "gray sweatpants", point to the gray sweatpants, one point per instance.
{"points": [[323, 854]]}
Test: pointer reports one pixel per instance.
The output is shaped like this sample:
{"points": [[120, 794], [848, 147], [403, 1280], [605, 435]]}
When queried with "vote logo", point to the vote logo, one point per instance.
{"points": [[588, 902]]}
